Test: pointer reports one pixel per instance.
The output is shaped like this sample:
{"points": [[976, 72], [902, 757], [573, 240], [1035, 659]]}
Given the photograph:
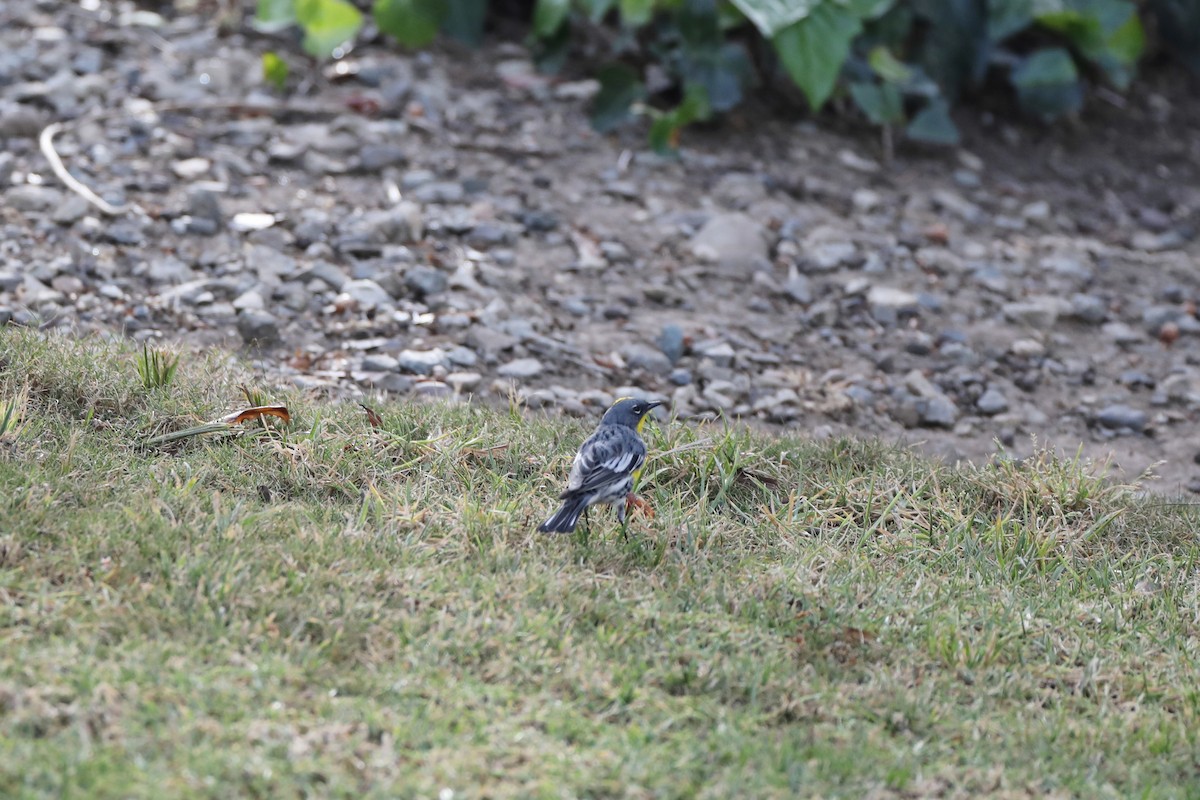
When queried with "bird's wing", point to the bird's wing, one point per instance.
{"points": [[609, 454]]}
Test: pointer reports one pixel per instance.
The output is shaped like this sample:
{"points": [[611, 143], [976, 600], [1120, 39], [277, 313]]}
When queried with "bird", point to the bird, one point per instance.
{"points": [[606, 465]]}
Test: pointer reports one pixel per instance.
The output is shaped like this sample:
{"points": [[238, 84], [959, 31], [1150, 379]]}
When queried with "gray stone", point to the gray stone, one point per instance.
{"points": [[431, 389], [1121, 333], [719, 352], [204, 204], [250, 300], [992, 402], [425, 281], [27, 198], [442, 192], [374, 157], [1118, 416], [798, 287], [644, 357], [486, 235], [258, 328], [462, 356], [938, 411], [421, 362], [464, 381], [1088, 308], [670, 342], [897, 300], [680, 377], [1040, 312], [71, 210], [828, 256], [736, 243], [1154, 317], [521, 368], [367, 293], [169, 269], [380, 362]]}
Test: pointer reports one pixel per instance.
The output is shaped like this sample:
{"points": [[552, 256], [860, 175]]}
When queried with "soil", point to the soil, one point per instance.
{"points": [[447, 225]]}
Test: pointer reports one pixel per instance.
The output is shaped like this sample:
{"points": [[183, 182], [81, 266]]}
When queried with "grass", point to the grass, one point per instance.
{"points": [[333, 609]]}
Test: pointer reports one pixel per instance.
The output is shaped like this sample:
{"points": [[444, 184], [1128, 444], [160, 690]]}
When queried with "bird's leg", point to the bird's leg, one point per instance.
{"points": [[622, 519]]}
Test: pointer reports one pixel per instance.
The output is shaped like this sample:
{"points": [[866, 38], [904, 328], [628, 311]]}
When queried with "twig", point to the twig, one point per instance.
{"points": [[46, 143]]}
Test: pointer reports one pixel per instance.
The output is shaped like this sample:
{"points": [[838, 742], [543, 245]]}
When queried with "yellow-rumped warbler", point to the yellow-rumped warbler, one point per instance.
{"points": [[606, 465]]}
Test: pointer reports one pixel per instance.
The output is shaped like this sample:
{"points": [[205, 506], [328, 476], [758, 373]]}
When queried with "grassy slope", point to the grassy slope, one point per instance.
{"points": [[343, 611]]}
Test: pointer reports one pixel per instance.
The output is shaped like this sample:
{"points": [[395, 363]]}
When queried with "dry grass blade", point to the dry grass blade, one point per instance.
{"points": [[373, 417]]}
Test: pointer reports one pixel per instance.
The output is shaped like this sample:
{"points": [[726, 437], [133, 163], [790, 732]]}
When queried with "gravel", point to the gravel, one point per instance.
{"points": [[457, 251]]}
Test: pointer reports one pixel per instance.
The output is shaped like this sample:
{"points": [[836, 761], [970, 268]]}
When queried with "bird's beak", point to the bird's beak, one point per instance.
{"points": [[653, 404]]}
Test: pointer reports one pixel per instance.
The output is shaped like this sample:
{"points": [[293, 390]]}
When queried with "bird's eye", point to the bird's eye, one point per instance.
{"points": [[637, 409]]}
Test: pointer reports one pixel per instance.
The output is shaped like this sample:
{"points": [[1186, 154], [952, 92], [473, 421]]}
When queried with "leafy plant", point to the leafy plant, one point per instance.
{"points": [[901, 63], [156, 367]]}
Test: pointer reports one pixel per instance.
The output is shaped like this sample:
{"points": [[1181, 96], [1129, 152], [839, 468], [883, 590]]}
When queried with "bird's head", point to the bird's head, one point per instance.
{"points": [[630, 411]]}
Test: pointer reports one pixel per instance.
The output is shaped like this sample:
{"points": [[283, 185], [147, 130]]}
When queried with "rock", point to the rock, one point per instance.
{"points": [[1088, 308], [938, 411], [71, 210], [249, 301], [381, 362], [28, 198], [486, 235], [680, 377], [644, 357], [440, 192], [421, 362], [464, 381], [671, 342], [1118, 416], [1136, 379], [1155, 317], [957, 205], [204, 204], [992, 402], [1027, 348], [1040, 313], [1121, 333], [258, 328], [431, 389], [169, 269], [719, 352], [425, 281], [521, 368], [798, 287], [897, 301], [828, 256], [735, 242], [367, 293], [374, 157]]}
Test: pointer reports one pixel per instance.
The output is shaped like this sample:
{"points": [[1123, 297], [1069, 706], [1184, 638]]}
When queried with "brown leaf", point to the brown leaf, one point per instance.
{"points": [[477, 453], [257, 412], [372, 416]]}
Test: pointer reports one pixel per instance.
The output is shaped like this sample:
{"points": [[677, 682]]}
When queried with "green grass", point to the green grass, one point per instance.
{"points": [[329, 609]]}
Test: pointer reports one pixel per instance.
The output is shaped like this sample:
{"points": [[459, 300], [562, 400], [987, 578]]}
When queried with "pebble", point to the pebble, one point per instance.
{"points": [[644, 357], [421, 362], [1040, 313], [1118, 416], [381, 362], [671, 342], [1088, 308], [32, 199], [425, 281], [521, 368], [258, 328], [440, 192], [366, 293], [992, 402], [735, 242]]}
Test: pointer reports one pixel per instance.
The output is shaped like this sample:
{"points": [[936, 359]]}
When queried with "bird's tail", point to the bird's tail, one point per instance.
{"points": [[565, 519]]}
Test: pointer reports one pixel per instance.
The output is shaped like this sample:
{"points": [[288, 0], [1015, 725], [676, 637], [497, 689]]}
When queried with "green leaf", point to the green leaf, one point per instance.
{"points": [[933, 124], [413, 23], [464, 20], [772, 16], [597, 9], [636, 13], [867, 9], [813, 49], [275, 14], [619, 90], [955, 50], [881, 102], [888, 67], [664, 133], [1047, 84], [1006, 17], [549, 16], [275, 70], [327, 24], [1106, 32]]}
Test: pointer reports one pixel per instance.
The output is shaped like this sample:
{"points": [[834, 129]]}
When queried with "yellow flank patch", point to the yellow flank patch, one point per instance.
{"points": [[642, 421]]}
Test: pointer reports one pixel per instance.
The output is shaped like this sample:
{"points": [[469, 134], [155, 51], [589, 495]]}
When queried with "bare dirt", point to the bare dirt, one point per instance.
{"points": [[447, 225]]}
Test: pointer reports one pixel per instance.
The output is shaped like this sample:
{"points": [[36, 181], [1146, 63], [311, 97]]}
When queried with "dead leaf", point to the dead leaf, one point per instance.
{"points": [[372, 416], [635, 503], [257, 412], [482, 452]]}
